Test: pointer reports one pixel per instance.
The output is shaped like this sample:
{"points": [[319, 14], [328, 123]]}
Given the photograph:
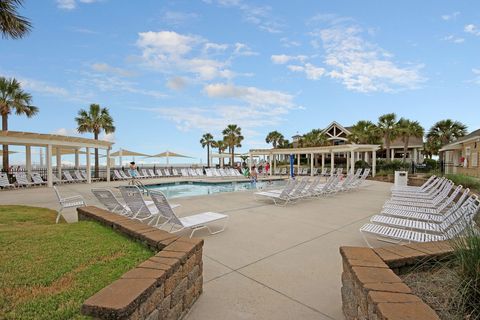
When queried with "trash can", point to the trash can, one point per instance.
{"points": [[401, 178]]}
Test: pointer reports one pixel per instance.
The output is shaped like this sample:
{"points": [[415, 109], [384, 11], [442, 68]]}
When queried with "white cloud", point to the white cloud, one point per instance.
{"points": [[176, 18], [241, 49], [472, 29], [66, 132], [476, 80], [72, 4], [363, 66], [287, 43], [283, 58], [259, 16], [42, 87], [312, 72], [107, 137], [453, 39], [170, 52], [250, 108], [177, 83], [452, 16], [105, 82], [106, 68]]}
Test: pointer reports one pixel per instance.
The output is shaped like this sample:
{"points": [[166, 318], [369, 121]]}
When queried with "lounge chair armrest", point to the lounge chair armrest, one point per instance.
{"points": [[72, 198]]}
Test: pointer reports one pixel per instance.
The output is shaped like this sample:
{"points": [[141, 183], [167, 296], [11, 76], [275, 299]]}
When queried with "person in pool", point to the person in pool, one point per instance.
{"points": [[253, 174], [133, 170]]}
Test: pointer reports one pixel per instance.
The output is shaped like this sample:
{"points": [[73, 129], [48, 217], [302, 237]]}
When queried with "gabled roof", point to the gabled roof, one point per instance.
{"points": [[338, 125], [471, 136]]}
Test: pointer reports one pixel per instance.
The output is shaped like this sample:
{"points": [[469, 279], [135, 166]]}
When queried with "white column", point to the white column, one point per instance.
{"points": [[41, 157], [332, 162], [392, 153], [49, 166], [270, 164], [249, 162], [28, 159], [311, 164], [89, 167], [298, 163], [323, 161], [59, 163], [347, 155], [374, 163], [108, 165], [77, 159], [274, 162], [365, 156], [352, 164], [415, 154]]}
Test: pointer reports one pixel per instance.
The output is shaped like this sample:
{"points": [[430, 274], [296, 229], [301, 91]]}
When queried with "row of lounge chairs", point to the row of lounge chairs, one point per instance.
{"points": [[305, 188], [223, 172], [22, 179], [157, 212], [435, 211], [145, 173], [305, 171]]}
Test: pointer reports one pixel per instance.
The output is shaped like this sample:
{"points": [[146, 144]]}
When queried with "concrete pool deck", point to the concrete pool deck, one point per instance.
{"points": [[271, 262]]}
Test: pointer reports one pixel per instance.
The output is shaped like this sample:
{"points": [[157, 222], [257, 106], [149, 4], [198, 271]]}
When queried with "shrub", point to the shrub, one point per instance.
{"points": [[466, 181], [431, 164], [467, 255], [361, 164]]}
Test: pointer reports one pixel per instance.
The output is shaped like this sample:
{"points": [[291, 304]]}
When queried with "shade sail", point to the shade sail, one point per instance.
{"points": [[127, 153], [167, 154]]}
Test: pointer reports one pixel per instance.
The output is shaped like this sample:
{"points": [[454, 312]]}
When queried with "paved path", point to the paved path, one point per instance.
{"points": [[271, 262]]}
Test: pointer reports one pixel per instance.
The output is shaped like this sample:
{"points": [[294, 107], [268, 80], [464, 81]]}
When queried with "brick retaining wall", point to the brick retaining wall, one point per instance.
{"points": [[372, 290], [164, 286]]}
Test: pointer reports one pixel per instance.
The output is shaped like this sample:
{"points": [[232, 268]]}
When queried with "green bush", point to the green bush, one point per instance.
{"points": [[467, 255], [431, 164], [466, 181], [394, 165], [361, 164]]}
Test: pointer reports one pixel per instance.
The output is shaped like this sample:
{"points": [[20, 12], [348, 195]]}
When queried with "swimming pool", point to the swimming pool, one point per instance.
{"points": [[192, 188]]}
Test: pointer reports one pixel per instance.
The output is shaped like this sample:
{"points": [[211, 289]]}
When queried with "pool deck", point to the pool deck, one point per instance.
{"points": [[271, 262]]}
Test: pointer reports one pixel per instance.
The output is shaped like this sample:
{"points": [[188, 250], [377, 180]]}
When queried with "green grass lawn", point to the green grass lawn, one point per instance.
{"points": [[48, 270]]}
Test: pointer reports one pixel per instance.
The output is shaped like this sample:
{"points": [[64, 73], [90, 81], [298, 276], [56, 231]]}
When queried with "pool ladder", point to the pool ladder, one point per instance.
{"points": [[140, 185]]}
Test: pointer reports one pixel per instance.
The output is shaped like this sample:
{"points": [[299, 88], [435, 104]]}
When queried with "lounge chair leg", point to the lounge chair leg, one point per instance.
{"points": [[59, 215]]}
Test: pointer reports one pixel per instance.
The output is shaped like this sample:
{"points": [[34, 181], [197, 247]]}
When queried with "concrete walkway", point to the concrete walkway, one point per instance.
{"points": [[271, 262]]}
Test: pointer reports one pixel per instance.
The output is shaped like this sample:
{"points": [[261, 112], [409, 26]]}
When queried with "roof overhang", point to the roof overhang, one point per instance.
{"points": [[318, 150], [55, 140]]}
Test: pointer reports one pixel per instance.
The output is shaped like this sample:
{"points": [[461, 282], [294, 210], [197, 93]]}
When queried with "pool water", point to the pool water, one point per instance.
{"points": [[189, 189]]}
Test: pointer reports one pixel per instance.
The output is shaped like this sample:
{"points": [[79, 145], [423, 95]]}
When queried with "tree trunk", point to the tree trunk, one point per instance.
{"points": [[387, 148], [405, 149], [96, 157], [232, 157], [5, 147], [208, 155]]}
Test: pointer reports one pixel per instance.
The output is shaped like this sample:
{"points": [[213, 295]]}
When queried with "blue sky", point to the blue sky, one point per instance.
{"points": [[170, 71]]}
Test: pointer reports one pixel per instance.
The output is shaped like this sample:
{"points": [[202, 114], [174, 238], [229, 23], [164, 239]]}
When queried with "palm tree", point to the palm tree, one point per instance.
{"points": [[13, 25], [232, 135], [221, 146], [275, 138], [13, 99], [314, 138], [364, 132], [285, 144], [431, 147], [407, 129], [95, 120], [388, 129], [207, 141], [446, 131]]}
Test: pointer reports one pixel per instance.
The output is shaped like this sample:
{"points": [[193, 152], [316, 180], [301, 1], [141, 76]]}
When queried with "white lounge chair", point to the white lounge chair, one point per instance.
{"points": [[22, 180], [68, 202], [79, 176], [4, 182], [194, 222], [109, 201], [37, 179], [139, 208]]}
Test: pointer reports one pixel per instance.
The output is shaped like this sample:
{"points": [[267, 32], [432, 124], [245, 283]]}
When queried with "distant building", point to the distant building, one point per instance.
{"points": [[462, 155], [338, 135]]}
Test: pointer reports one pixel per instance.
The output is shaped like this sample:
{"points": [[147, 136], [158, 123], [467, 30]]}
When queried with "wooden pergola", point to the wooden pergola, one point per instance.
{"points": [[351, 151], [58, 143]]}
